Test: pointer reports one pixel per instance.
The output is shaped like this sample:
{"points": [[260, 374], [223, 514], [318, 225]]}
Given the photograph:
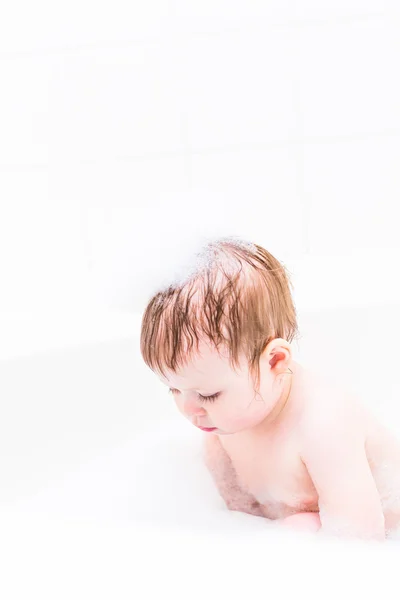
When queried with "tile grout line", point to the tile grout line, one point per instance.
{"points": [[392, 133]]}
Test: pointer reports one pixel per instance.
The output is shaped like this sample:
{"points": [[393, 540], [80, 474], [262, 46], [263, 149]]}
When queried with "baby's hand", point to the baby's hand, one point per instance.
{"points": [[306, 521]]}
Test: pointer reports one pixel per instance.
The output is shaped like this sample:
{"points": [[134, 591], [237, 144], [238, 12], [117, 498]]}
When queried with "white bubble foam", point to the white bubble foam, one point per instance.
{"points": [[196, 257]]}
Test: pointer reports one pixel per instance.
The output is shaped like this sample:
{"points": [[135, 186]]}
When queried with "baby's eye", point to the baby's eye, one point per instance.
{"points": [[208, 398], [200, 397]]}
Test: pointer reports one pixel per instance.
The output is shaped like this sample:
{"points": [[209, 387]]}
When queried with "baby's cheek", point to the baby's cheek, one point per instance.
{"points": [[251, 416], [238, 422]]}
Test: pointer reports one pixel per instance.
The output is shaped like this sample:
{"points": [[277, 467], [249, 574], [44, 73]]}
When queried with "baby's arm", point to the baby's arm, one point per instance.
{"points": [[220, 466], [333, 450]]}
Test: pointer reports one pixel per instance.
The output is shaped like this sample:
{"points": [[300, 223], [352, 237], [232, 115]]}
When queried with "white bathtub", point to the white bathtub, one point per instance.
{"points": [[103, 491]]}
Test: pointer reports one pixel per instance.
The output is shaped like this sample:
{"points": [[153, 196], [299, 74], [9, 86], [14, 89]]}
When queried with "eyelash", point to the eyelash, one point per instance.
{"points": [[200, 397]]}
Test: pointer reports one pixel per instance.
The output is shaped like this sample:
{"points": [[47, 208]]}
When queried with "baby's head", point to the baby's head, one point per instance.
{"points": [[220, 337]]}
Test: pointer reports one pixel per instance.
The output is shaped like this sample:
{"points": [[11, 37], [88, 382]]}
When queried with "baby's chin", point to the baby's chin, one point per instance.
{"points": [[236, 426], [236, 429]]}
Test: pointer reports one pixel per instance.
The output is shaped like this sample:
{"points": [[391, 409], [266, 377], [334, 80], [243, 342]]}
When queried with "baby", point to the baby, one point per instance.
{"points": [[280, 441]]}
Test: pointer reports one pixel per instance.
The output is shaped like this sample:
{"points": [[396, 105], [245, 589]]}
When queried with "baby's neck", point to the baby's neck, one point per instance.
{"points": [[289, 400]]}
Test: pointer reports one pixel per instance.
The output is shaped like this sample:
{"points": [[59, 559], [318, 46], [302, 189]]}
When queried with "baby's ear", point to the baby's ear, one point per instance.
{"points": [[277, 356], [279, 351]]}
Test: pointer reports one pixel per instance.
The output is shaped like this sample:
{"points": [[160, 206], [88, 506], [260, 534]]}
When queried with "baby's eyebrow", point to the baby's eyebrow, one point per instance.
{"points": [[189, 389], [200, 387]]}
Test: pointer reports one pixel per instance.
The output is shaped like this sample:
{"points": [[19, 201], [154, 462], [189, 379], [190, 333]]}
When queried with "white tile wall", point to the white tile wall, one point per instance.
{"points": [[125, 130], [239, 88], [134, 208], [233, 10], [41, 245], [254, 194], [218, 15], [352, 188], [24, 110], [118, 102], [315, 10], [346, 74], [46, 25]]}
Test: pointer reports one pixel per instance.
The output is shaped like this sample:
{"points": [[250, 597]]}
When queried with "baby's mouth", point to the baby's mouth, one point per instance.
{"points": [[206, 428]]}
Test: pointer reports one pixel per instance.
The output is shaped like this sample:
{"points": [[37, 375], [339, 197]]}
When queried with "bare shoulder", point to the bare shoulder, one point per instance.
{"points": [[331, 409]]}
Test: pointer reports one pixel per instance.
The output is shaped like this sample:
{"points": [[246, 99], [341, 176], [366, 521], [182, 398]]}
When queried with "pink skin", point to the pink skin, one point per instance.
{"points": [[308, 521], [237, 407], [246, 421]]}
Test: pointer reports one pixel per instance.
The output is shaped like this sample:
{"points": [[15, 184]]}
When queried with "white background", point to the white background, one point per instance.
{"points": [[128, 128]]}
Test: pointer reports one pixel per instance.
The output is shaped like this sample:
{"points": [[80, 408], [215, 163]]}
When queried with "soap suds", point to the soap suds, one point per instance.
{"points": [[196, 258]]}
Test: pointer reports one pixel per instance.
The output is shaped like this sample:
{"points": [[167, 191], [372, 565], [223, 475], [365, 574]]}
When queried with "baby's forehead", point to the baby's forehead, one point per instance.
{"points": [[203, 367], [208, 357], [200, 365]]}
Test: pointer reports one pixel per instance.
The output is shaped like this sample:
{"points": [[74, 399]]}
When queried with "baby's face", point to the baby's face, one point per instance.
{"points": [[233, 404]]}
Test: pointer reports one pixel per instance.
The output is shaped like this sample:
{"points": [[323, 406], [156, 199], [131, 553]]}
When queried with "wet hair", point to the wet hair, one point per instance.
{"points": [[236, 296]]}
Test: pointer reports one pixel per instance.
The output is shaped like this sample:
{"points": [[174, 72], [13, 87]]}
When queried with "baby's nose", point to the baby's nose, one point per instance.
{"points": [[192, 408]]}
